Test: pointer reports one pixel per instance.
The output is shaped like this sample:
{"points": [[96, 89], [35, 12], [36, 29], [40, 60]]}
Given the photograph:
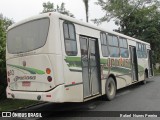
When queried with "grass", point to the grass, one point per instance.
{"points": [[12, 104]]}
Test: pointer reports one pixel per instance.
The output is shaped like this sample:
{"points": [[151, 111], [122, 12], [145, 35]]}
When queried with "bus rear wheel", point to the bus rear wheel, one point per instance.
{"points": [[110, 89]]}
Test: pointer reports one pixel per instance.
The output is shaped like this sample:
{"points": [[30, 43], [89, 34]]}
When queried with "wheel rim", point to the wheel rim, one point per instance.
{"points": [[111, 88]]}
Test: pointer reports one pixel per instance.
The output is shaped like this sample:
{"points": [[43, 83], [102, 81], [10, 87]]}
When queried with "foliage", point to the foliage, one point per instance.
{"points": [[136, 18], [14, 104], [86, 8], [49, 7], [121, 8], [4, 24]]}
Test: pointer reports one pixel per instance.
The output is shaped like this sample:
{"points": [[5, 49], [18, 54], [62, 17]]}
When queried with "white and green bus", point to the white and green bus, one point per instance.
{"points": [[56, 58]]}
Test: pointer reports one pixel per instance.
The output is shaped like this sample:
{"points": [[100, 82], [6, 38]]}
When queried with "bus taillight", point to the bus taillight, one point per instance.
{"points": [[48, 71], [49, 78]]}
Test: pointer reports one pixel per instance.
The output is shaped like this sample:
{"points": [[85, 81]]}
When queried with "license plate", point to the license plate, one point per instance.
{"points": [[26, 83]]}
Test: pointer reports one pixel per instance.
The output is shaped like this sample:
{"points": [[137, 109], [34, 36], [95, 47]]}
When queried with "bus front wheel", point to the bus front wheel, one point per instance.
{"points": [[110, 89]]}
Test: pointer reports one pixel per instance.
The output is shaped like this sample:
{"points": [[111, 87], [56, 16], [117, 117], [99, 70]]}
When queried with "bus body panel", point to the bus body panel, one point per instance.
{"points": [[72, 74], [57, 65], [55, 95], [142, 62], [72, 64], [28, 73]]}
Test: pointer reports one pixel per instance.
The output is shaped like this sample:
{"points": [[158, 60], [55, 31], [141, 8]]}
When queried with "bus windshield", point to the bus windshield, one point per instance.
{"points": [[28, 36]]}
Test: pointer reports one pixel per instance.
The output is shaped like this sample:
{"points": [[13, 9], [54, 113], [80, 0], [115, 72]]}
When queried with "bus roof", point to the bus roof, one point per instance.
{"points": [[65, 17]]}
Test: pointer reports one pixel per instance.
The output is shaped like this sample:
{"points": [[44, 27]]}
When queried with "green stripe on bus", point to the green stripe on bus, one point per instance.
{"points": [[103, 61], [73, 61], [31, 70], [76, 62]]}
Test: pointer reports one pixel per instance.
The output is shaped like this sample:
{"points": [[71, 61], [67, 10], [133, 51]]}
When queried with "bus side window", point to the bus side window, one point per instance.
{"points": [[144, 51], [113, 46], [138, 50], [123, 47], [104, 46], [141, 50], [70, 39]]}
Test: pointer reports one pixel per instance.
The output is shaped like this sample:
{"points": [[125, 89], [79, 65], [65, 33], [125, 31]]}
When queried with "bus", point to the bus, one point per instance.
{"points": [[55, 58]]}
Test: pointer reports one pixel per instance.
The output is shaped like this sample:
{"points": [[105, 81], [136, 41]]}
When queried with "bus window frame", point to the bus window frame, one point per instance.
{"points": [[26, 23], [113, 45], [69, 39], [101, 33], [123, 46]]}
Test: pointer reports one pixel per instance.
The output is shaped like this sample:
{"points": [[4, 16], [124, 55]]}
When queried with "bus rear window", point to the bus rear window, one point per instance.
{"points": [[27, 37]]}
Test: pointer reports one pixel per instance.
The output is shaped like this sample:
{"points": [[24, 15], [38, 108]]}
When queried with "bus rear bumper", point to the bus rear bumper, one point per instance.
{"points": [[55, 95]]}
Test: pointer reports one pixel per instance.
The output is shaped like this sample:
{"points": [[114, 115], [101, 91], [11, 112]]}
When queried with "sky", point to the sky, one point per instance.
{"points": [[20, 9]]}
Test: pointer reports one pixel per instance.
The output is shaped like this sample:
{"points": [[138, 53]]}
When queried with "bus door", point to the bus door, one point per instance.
{"points": [[90, 66], [134, 63], [150, 68]]}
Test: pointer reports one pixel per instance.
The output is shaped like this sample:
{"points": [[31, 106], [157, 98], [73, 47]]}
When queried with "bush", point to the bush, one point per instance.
{"points": [[4, 23]]}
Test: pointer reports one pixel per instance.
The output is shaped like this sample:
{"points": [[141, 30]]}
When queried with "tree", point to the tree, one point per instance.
{"points": [[120, 8], [4, 24], [49, 7], [86, 2], [61, 9], [136, 18]]}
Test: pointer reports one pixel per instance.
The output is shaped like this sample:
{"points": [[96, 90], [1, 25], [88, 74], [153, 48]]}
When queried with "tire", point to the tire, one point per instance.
{"points": [[110, 89]]}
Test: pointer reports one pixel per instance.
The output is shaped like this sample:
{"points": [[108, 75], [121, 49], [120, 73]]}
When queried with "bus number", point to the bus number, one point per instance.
{"points": [[10, 72]]}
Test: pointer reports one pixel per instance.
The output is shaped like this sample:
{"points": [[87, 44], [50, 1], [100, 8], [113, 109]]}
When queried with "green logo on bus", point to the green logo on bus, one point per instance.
{"points": [[28, 69]]}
